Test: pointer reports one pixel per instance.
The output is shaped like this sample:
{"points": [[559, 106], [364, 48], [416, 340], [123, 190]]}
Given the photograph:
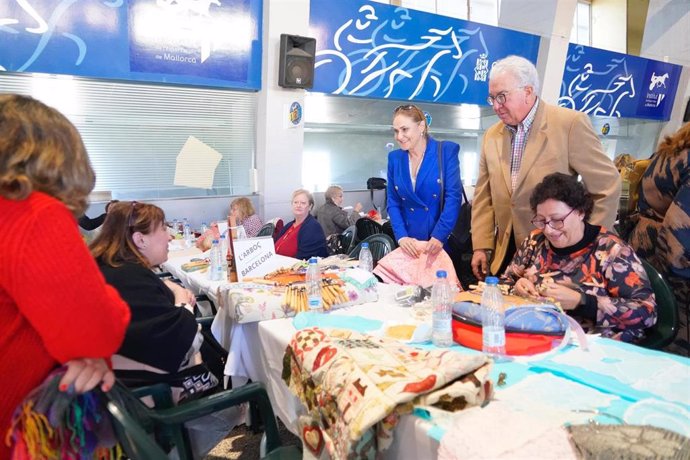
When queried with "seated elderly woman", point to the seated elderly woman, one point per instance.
{"points": [[332, 217], [593, 274], [243, 213], [303, 237], [163, 340]]}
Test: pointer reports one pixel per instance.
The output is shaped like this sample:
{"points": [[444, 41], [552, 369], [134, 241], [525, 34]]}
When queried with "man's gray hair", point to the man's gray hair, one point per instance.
{"points": [[522, 69]]}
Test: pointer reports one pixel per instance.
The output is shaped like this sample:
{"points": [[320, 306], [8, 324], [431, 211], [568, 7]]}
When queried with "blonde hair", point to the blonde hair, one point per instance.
{"points": [[332, 191], [114, 244], [40, 150], [307, 193], [676, 143], [244, 205]]}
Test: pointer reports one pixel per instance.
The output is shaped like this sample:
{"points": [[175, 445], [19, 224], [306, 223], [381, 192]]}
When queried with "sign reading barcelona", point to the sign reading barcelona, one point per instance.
{"points": [[376, 50]]}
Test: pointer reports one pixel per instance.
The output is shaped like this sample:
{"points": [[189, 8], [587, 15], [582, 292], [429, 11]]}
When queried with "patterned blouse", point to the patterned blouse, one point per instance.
{"points": [[252, 225], [602, 266], [662, 235]]}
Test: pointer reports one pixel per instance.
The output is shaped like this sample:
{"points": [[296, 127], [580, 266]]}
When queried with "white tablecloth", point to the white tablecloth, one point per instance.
{"points": [[615, 380]]}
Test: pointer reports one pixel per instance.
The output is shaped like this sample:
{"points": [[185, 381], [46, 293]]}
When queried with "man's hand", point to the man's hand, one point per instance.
{"points": [[480, 263]]}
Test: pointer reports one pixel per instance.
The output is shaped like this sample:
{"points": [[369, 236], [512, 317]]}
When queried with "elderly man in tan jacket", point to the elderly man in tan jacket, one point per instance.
{"points": [[532, 139]]}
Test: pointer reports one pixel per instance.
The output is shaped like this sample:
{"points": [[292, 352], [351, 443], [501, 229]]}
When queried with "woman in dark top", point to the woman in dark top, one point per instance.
{"points": [[593, 274], [162, 333], [163, 336], [303, 237]]}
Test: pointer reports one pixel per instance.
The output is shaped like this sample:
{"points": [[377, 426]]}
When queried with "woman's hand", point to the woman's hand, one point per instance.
{"points": [[526, 288], [567, 297], [358, 207], [181, 294], [409, 246], [433, 246], [85, 373]]}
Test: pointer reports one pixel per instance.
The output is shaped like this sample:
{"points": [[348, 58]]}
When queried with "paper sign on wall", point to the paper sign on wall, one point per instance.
{"points": [[255, 257], [196, 164]]}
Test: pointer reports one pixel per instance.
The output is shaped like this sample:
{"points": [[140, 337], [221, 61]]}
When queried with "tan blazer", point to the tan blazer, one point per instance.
{"points": [[560, 140]]}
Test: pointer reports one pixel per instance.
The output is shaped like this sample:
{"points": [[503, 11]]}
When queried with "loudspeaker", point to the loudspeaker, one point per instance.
{"points": [[686, 117], [297, 56]]}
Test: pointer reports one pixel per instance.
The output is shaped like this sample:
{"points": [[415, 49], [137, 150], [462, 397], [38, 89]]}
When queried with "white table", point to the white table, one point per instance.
{"points": [[612, 377]]}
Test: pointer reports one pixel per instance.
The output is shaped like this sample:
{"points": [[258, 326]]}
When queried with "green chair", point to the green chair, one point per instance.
{"points": [[166, 420], [135, 441], [367, 227], [267, 229], [666, 327], [380, 244], [347, 239]]}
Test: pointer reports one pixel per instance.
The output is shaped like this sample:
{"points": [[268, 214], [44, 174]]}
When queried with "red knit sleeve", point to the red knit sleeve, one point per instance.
{"points": [[58, 287]]}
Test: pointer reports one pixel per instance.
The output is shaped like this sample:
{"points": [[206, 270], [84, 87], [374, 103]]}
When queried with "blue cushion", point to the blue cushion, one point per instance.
{"points": [[538, 318]]}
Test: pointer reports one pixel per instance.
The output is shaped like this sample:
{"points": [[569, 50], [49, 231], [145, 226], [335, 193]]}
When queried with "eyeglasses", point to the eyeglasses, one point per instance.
{"points": [[133, 214], [556, 224], [500, 98]]}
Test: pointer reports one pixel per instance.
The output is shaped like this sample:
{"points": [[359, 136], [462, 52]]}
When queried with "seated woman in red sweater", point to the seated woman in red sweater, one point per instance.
{"points": [[54, 304], [303, 237]]}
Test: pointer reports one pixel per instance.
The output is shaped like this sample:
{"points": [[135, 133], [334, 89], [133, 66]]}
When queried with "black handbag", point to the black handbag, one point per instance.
{"points": [[460, 239], [376, 183]]}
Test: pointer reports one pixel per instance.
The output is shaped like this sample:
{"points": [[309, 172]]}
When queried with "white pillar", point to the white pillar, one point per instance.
{"points": [[553, 21], [279, 148], [666, 38]]}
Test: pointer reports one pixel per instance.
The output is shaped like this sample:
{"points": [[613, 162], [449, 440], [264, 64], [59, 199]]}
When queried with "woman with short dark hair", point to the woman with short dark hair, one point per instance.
{"points": [[594, 275]]}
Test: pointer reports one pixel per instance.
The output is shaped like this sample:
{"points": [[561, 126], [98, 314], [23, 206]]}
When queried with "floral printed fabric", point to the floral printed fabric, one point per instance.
{"points": [[662, 235], [355, 387], [607, 268]]}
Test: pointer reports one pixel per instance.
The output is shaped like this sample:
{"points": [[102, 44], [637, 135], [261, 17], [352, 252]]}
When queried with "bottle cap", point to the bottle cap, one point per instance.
{"points": [[313, 260], [215, 242], [492, 280], [365, 245], [441, 274]]}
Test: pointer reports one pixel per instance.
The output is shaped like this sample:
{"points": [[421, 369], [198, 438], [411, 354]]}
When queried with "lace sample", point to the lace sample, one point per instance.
{"points": [[631, 442]]}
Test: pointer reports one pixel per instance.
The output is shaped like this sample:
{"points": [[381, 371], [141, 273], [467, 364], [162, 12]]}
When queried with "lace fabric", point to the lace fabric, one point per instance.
{"points": [[593, 441]]}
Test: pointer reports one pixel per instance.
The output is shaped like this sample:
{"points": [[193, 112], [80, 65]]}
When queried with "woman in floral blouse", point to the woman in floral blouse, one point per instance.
{"points": [[594, 275]]}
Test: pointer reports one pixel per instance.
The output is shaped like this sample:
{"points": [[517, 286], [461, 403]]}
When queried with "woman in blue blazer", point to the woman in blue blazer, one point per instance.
{"points": [[414, 184]]}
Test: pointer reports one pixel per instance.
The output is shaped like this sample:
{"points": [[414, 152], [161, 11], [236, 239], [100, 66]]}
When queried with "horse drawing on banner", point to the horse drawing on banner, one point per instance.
{"points": [[376, 54], [596, 91], [44, 25], [657, 81]]}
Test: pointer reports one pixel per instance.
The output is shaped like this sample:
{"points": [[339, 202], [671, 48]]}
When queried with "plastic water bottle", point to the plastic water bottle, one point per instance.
{"points": [[493, 319], [366, 261], [216, 269], [314, 286], [187, 233], [441, 331], [204, 227], [224, 252]]}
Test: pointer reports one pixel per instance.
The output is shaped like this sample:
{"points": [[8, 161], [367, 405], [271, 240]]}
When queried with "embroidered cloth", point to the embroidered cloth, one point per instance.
{"points": [[356, 386]]}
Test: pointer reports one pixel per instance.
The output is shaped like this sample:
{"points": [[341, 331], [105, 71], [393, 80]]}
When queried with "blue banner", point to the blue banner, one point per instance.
{"points": [[195, 42], [375, 50], [603, 83]]}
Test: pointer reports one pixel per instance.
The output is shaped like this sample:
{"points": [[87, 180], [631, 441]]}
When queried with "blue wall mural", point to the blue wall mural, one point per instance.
{"points": [[380, 51], [604, 83], [196, 42]]}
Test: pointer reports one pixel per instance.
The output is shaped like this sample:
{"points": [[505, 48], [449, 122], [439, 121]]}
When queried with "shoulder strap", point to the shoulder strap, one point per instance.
{"points": [[440, 170]]}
